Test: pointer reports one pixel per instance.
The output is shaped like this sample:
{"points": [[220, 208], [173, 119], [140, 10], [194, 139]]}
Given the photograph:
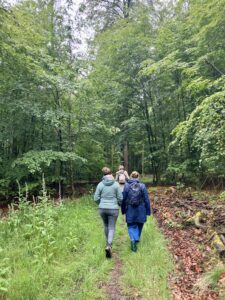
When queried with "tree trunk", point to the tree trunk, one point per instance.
{"points": [[143, 160], [112, 155], [151, 140], [126, 156]]}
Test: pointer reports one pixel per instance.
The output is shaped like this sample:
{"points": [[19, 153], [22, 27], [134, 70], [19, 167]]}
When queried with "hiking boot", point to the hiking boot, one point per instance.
{"points": [[133, 246], [108, 252]]}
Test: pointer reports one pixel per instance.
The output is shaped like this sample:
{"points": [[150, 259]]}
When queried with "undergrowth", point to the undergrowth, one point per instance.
{"points": [[52, 252], [56, 252]]}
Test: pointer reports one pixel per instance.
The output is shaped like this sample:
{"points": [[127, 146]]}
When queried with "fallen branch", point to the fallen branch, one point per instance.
{"points": [[196, 220]]}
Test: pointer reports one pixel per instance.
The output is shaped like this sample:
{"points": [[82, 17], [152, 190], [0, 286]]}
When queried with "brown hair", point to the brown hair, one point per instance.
{"points": [[134, 174], [106, 171]]}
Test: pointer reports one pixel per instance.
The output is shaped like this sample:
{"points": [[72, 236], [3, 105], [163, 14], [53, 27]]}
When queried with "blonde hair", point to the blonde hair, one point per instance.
{"points": [[134, 174], [106, 171], [121, 167]]}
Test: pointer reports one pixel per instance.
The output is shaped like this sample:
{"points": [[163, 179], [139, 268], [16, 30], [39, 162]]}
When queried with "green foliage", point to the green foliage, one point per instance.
{"points": [[200, 141], [222, 195], [35, 161], [48, 251], [46, 113], [152, 69]]}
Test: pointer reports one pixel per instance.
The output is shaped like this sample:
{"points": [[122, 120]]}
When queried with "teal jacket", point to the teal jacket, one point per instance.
{"points": [[108, 193]]}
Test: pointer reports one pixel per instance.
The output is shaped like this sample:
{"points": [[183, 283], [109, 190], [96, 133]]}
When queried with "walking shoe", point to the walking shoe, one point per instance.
{"points": [[133, 246], [108, 252]]}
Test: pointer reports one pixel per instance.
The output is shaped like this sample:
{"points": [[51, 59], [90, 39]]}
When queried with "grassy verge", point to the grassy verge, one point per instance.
{"points": [[53, 253], [145, 272], [49, 252]]}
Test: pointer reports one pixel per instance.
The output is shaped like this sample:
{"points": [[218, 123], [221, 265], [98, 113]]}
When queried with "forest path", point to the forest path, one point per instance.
{"points": [[113, 288], [140, 275]]}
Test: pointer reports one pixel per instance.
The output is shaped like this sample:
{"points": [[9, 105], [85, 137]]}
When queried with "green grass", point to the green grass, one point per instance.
{"points": [[51, 252], [63, 258], [146, 272]]}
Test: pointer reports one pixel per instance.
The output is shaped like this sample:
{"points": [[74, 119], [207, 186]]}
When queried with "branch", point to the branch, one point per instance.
{"points": [[214, 67]]}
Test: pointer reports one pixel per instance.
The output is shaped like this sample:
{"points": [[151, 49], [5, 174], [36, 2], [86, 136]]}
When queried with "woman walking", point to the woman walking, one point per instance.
{"points": [[136, 206], [109, 197], [122, 177]]}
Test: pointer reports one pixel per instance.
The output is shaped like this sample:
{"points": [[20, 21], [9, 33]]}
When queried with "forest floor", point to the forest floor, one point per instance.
{"points": [[199, 270]]}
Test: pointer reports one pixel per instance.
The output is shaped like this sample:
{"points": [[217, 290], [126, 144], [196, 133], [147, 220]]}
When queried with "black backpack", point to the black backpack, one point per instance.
{"points": [[135, 194]]}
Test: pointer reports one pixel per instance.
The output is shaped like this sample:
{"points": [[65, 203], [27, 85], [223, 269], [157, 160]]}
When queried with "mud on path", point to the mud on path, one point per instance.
{"points": [[189, 246]]}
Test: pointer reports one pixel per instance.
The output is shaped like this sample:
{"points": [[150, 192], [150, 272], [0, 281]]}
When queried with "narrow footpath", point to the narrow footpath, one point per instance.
{"points": [[141, 275]]}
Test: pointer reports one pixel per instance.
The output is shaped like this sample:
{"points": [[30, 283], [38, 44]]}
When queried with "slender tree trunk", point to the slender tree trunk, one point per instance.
{"points": [[151, 140], [126, 156], [143, 160], [60, 142], [112, 155], [162, 122]]}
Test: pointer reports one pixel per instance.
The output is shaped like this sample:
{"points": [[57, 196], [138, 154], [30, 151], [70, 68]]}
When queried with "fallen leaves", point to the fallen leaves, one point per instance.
{"points": [[191, 252]]}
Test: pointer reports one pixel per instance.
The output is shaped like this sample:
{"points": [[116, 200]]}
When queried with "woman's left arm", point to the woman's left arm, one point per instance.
{"points": [[97, 195]]}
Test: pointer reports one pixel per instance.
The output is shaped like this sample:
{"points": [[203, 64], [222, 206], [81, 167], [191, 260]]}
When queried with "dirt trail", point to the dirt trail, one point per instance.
{"points": [[113, 287]]}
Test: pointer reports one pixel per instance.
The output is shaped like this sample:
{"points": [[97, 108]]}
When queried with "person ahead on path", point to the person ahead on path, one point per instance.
{"points": [[136, 206], [109, 197], [122, 176]]}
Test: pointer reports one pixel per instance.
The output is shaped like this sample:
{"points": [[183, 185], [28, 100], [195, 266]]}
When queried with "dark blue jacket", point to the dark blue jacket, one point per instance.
{"points": [[136, 214]]}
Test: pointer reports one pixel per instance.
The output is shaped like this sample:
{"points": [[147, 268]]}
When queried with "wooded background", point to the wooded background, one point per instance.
{"points": [[148, 92]]}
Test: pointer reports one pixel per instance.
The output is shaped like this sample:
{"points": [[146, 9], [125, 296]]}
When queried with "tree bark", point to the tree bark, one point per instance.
{"points": [[151, 139], [126, 156], [143, 160]]}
